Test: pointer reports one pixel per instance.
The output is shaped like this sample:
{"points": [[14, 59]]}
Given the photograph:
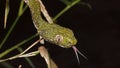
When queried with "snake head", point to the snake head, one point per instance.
{"points": [[65, 40], [64, 37]]}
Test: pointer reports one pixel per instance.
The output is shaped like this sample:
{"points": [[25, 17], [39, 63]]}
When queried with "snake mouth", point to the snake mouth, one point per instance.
{"points": [[64, 46]]}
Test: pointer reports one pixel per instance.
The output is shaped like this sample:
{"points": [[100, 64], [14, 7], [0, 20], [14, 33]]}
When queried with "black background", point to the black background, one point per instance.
{"points": [[97, 31]]}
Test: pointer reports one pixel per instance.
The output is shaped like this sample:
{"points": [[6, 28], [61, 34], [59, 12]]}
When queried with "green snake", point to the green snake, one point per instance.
{"points": [[53, 33]]}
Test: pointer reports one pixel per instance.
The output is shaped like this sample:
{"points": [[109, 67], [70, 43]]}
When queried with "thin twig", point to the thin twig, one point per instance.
{"points": [[22, 54], [45, 13], [20, 66], [30, 47], [7, 8]]}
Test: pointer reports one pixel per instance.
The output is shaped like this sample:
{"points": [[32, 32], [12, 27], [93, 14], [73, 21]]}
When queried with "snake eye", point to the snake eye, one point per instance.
{"points": [[58, 38]]}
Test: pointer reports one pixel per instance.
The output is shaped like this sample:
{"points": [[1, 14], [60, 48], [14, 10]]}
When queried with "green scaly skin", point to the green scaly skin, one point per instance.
{"points": [[52, 33]]}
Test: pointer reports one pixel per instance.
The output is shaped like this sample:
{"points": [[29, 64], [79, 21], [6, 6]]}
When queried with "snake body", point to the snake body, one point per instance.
{"points": [[53, 33]]}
